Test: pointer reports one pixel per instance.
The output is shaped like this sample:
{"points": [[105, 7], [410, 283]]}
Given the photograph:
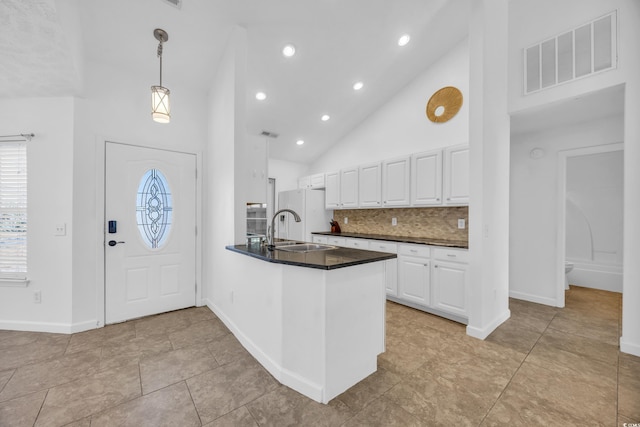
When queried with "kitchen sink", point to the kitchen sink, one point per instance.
{"points": [[305, 247], [286, 243]]}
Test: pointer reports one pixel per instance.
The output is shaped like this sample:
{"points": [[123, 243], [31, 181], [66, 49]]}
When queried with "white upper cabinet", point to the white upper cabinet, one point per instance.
{"points": [[314, 181], [349, 188], [426, 178], [395, 182], [370, 191], [432, 178], [332, 190], [304, 182], [456, 175]]}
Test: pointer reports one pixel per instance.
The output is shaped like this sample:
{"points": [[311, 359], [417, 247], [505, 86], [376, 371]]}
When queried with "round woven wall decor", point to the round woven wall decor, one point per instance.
{"points": [[444, 104]]}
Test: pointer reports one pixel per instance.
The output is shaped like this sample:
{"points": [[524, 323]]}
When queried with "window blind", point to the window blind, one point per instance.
{"points": [[13, 210]]}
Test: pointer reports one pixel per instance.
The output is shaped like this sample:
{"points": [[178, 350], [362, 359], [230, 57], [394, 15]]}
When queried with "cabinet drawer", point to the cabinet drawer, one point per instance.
{"points": [[415, 250], [319, 239], [356, 243], [455, 255], [381, 246], [337, 241]]}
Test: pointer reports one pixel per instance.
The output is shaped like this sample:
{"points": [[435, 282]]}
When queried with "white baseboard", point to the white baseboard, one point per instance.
{"points": [[282, 375], [50, 327], [533, 298], [628, 347], [484, 332], [596, 276], [84, 326]]}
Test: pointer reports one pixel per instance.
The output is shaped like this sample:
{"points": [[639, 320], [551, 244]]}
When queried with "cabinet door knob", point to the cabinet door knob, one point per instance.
{"points": [[435, 266]]}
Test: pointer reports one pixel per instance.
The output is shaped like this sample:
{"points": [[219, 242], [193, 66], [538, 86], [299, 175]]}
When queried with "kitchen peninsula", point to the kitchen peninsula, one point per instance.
{"points": [[314, 319]]}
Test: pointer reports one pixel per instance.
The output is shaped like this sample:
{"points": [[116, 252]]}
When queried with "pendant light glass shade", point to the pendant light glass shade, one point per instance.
{"points": [[160, 107]]}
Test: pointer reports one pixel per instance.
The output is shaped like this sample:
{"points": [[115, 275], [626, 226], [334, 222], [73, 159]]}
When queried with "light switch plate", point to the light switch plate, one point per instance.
{"points": [[461, 224], [346, 220], [394, 221]]}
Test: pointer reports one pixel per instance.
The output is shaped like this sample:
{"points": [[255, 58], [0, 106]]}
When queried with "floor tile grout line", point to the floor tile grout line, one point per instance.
{"points": [[11, 376], [41, 406], [517, 370], [193, 402]]}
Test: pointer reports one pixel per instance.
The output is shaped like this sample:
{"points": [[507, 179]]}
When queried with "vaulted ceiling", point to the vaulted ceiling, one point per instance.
{"points": [[45, 44]]}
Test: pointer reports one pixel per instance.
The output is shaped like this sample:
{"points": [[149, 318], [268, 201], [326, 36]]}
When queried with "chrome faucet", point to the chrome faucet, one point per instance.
{"points": [[272, 231]]}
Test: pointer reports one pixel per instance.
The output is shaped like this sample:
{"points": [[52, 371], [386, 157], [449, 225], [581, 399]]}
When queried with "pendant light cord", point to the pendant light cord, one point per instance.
{"points": [[160, 56]]}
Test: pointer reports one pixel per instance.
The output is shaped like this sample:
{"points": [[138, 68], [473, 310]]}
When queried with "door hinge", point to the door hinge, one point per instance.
{"points": [[196, 287], [196, 173]]}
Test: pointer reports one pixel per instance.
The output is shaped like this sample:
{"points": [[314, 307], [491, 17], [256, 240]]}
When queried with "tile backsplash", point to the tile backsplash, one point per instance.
{"points": [[436, 222]]}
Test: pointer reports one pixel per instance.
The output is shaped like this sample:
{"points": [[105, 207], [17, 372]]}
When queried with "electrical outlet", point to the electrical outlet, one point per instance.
{"points": [[346, 220], [37, 297], [461, 223], [394, 221], [60, 230]]}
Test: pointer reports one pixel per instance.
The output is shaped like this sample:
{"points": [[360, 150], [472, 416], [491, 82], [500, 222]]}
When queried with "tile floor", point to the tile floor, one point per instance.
{"points": [[544, 366]]}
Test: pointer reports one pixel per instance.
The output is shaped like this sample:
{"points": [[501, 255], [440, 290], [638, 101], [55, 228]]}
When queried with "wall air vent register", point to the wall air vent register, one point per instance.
{"points": [[588, 49]]}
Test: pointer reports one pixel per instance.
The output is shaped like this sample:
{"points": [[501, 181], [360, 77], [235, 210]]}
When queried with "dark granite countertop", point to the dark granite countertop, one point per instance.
{"points": [[401, 239], [325, 260]]}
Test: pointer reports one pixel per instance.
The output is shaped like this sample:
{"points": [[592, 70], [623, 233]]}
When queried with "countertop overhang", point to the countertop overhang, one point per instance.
{"points": [[325, 259], [400, 239]]}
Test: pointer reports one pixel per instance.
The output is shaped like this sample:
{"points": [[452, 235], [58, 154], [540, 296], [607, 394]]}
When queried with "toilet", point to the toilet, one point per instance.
{"points": [[568, 266]]}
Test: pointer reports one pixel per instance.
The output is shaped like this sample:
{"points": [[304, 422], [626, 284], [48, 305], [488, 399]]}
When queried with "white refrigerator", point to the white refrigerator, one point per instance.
{"points": [[309, 204]]}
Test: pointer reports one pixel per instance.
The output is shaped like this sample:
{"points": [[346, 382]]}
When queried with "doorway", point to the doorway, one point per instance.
{"points": [[150, 231], [587, 218]]}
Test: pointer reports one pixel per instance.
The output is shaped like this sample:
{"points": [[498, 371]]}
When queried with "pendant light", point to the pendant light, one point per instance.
{"points": [[160, 108]]}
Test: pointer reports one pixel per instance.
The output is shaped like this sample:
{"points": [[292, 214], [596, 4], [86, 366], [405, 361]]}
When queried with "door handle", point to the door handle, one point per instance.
{"points": [[113, 242]]}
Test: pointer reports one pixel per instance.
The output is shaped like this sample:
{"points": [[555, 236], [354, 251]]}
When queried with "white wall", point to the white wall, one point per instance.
{"points": [[533, 201], [50, 198], [286, 174], [220, 179], [532, 22], [489, 130], [401, 126], [630, 64], [594, 191], [63, 186], [117, 108]]}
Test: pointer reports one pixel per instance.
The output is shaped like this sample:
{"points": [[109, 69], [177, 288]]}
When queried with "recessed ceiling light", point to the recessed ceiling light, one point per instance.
{"points": [[299, 142], [289, 50], [358, 85], [325, 117], [404, 39], [261, 96]]}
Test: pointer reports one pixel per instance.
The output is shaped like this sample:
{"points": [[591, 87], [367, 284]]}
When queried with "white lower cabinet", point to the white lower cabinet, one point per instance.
{"points": [[431, 278], [322, 240], [414, 278], [357, 244], [390, 265], [336, 241], [450, 287]]}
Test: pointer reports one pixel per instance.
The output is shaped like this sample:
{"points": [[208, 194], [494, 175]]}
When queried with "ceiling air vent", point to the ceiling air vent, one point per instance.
{"points": [[174, 3], [269, 134]]}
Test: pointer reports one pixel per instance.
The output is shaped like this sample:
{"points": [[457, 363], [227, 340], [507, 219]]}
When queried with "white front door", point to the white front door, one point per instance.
{"points": [[150, 234]]}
